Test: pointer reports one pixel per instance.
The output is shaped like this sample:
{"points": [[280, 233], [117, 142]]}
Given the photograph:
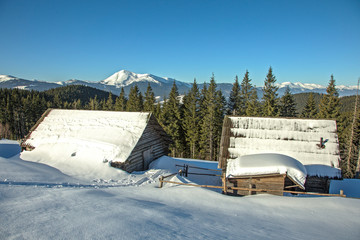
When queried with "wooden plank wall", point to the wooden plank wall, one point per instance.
{"points": [[271, 182]]}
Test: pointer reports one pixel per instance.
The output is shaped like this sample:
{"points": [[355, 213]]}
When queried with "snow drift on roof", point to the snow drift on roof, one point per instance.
{"points": [[298, 138], [112, 135], [258, 164]]}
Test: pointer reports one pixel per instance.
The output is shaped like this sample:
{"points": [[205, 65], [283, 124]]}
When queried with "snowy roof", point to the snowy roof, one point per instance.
{"points": [[297, 138], [112, 135], [261, 164]]}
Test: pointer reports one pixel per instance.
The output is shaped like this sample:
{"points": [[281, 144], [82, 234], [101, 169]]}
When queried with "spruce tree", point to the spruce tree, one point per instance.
{"points": [[329, 103], [210, 122], [192, 118], [245, 94], [310, 110], [57, 101], [202, 100], [94, 103], [76, 104], [171, 121], [135, 101], [220, 113], [109, 103], [288, 105], [120, 102], [158, 110], [235, 98], [270, 101], [253, 105], [149, 103]]}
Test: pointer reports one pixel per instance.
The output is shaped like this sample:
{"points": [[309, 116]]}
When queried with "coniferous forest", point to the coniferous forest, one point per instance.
{"points": [[194, 121]]}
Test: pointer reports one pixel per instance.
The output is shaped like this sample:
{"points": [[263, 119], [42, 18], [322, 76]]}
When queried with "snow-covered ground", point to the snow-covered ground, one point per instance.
{"points": [[40, 202]]}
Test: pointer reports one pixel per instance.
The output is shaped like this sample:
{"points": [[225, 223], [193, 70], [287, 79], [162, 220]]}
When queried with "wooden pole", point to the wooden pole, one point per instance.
{"points": [[286, 191], [224, 184], [357, 175]]}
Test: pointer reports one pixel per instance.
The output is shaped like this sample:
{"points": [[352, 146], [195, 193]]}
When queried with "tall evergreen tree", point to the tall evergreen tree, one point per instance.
{"points": [[210, 121], [270, 100], [149, 103], [77, 104], [252, 105], [120, 102], [329, 103], [220, 111], [94, 103], [235, 98], [135, 101], [109, 103], [202, 100], [288, 105], [192, 118], [158, 110], [310, 110], [57, 101], [171, 121], [245, 94]]}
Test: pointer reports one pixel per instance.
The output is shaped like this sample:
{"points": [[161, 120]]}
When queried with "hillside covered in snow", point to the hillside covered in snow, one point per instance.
{"points": [[160, 85], [41, 202]]}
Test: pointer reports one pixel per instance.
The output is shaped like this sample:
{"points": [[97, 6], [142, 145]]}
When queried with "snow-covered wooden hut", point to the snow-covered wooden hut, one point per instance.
{"points": [[314, 143], [126, 140]]}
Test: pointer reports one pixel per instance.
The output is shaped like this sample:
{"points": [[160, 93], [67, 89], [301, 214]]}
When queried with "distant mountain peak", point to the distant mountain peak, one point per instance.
{"points": [[124, 78], [4, 78]]}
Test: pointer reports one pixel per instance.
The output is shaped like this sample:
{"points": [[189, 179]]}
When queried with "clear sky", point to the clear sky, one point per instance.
{"points": [[303, 40]]}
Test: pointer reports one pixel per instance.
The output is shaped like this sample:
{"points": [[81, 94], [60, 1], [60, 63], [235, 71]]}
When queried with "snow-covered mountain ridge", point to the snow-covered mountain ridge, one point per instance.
{"points": [[160, 85], [4, 78], [311, 86]]}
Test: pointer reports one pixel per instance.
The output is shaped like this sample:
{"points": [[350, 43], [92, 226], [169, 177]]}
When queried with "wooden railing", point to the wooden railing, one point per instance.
{"points": [[162, 181]]}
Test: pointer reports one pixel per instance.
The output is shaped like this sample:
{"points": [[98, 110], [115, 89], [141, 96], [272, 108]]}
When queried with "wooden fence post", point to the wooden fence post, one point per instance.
{"points": [[342, 193], [161, 181]]}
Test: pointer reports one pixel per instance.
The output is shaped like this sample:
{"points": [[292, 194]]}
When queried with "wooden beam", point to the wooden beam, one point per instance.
{"points": [[193, 185], [254, 189], [258, 176]]}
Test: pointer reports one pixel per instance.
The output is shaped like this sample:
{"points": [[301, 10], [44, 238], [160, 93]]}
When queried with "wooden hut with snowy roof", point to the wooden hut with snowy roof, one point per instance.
{"points": [[126, 140], [314, 143]]}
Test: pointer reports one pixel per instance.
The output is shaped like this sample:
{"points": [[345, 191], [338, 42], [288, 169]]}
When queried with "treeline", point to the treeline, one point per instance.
{"points": [[194, 121], [20, 109]]}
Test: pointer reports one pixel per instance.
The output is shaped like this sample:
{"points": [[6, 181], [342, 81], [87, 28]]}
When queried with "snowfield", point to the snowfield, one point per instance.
{"points": [[38, 201]]}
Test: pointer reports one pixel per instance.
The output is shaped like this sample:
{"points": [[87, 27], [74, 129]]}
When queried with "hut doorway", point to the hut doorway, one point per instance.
{"points": [[148, 156]]}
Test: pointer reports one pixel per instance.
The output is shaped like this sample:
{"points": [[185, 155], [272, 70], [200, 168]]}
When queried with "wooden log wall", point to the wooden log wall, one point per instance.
{"points": [[154, 138], [317, 184], [224, 144]]}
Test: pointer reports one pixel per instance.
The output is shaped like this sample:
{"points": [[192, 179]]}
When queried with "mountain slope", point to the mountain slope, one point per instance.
{"points": [[160, 85]]}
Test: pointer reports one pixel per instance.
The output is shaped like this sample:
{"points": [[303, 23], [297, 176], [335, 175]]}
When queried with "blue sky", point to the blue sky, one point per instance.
{"points": [[304, 41]]}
